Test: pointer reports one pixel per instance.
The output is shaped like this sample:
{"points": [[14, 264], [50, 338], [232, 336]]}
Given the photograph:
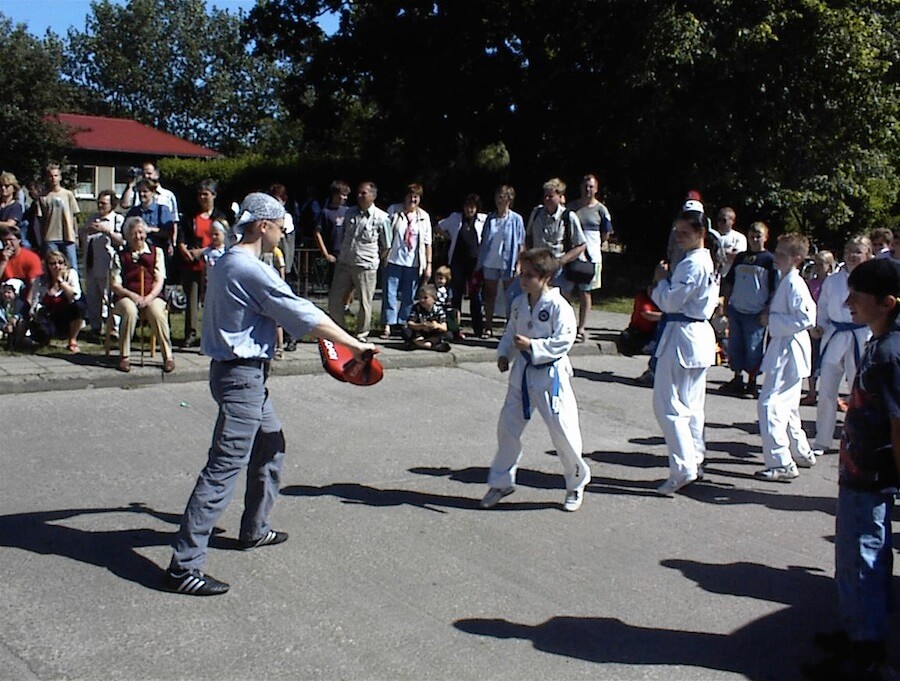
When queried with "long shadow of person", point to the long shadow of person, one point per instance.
{"points": [[525, 477], [43, 532], [771, 647], [353, 493]]}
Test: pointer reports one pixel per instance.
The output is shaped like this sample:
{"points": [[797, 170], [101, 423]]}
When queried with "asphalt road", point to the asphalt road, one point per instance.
{"points": [[391, 571]]}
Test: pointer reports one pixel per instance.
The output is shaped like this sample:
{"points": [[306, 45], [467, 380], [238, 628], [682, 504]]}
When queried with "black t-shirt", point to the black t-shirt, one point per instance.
{"points": [[466, 243], [867, 459]]}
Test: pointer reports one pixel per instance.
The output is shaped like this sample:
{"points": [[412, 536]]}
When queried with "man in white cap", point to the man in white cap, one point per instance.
{"points": [[245, 301]]}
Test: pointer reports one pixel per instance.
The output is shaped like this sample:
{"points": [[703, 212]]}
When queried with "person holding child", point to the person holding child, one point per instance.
{"points": [[686, 349], [538, 337], [868, 479], [787, 361], [426, 328]]}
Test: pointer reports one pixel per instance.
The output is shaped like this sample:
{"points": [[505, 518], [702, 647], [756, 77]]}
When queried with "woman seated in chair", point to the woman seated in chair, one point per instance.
{"points": [[56, 308], [137, 279]]}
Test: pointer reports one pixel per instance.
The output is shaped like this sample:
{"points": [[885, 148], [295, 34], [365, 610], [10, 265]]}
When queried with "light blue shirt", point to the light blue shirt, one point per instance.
{"points": [[245, 301]]}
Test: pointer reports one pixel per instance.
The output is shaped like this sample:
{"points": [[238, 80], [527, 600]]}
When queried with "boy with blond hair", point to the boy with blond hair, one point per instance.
{"points": [[787, 361]]}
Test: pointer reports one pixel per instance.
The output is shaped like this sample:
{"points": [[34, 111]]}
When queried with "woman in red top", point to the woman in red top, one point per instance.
{"points": [[56, 311], [191, 242]]}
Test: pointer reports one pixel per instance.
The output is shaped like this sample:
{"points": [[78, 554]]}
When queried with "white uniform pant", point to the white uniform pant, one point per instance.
{"points": [[679, 400], [779, 420], [826, 409], [565, 431]]}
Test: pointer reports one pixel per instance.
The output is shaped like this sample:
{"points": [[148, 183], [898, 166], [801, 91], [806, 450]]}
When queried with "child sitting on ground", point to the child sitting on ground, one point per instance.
{"points": [[426, 328], [13, 312], [442, 277], [638, 337], [788, 360]]}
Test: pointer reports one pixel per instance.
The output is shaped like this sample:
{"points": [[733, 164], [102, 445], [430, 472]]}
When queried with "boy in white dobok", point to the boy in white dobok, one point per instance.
{"points": [[842, 341], [540, 332], [788, 360]]}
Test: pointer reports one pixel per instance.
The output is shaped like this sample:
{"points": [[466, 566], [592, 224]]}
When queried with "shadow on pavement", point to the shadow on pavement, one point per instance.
{"points": [[353, 493], [42, 532], [807, 593], [478, 474], [603, 377]]}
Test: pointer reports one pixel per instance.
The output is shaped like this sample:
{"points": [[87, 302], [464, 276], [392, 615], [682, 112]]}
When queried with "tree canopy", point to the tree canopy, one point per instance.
{"points": [[787, 107], [176, 66], [32, 92]]}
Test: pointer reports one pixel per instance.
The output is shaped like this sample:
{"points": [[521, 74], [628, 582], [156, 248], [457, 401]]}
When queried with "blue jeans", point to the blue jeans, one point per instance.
{"points": [[745, 341], [863, 562], [247, 435], [400, 286]]}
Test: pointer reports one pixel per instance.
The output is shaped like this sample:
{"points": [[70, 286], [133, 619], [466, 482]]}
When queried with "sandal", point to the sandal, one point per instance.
{"points": [[579, 337], [385, 335], [487, 335], [279, 354], [73, 347]]}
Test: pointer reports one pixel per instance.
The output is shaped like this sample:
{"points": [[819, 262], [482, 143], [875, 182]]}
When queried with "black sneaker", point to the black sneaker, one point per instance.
{"points": [[734, 387], [194, 583], [268, 539]]}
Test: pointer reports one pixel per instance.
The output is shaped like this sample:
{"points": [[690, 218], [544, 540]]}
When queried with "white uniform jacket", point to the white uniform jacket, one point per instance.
{"points": [[551, 324], [693, 291], [833, 308], [792, 312]]}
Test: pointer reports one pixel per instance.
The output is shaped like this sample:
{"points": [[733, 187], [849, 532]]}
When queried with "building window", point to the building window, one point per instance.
{"points": [[86, 182], [124, 175]]}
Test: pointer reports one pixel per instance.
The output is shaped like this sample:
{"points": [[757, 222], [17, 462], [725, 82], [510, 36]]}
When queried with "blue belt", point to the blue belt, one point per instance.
{"points": [[840, 327], [526, 399]]}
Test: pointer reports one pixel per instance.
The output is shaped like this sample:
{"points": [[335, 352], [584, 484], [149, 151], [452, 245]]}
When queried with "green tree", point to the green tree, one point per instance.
{"points": [[786, 108], [33, 92], [173, 65]]}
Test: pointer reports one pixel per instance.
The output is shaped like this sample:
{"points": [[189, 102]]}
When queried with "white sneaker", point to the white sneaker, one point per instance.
{"points": [[817, 452], [779, 473], [574, 499], [670, 486], [494, 495], [806, 460]]}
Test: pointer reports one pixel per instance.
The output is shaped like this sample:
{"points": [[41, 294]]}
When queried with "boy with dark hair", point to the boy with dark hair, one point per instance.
{"points": [[869, 473]]}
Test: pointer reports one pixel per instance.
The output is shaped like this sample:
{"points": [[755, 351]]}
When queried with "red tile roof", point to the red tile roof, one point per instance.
{"points": [[98, 133]]}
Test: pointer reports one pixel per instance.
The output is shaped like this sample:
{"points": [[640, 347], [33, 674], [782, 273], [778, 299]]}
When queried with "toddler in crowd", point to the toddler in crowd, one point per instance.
{"points": [[13, 312], [539, 334], [442, 277], [426, 328], [787, 361]]}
